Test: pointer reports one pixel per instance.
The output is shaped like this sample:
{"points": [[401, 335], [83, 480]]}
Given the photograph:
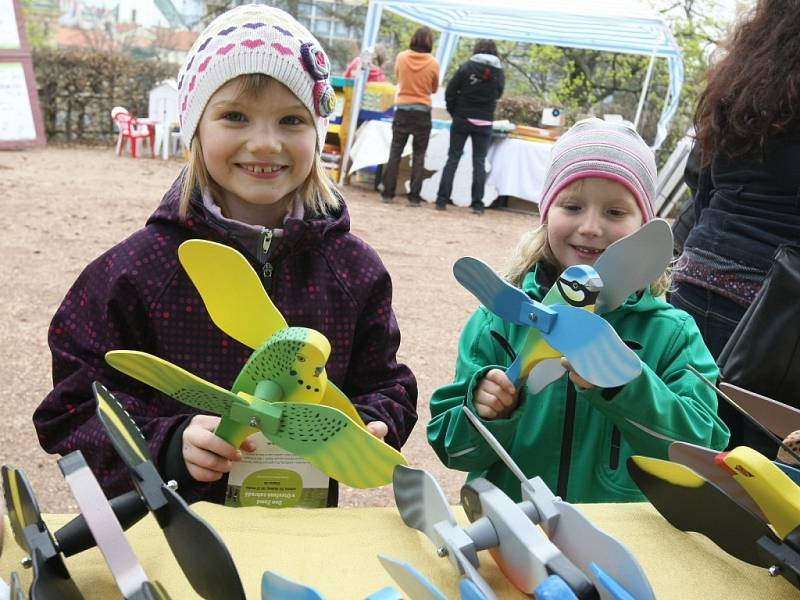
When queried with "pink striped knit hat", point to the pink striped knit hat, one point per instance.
{"points": [[255, 39], [597, 148]]}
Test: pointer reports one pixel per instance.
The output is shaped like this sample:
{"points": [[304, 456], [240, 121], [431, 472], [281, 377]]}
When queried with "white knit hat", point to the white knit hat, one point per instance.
{"points": [[597, 148], [255, 39]]}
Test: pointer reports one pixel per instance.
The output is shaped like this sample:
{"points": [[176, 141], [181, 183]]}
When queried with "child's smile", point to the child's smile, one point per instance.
{"points": [[260, 171], [589, 254]]}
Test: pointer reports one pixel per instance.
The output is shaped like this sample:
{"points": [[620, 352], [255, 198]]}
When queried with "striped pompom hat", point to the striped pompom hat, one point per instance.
{"points": [[597, 148], [255, 39]]}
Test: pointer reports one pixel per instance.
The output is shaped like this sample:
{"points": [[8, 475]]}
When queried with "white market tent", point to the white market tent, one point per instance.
{"points": [[625, 26]]}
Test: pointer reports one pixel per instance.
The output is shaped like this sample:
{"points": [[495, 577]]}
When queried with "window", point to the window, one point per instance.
{"points": [[322, 26], [304, 9]]}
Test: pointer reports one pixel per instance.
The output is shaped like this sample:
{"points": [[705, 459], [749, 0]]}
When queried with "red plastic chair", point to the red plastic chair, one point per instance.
{"points": [[131, 129]]}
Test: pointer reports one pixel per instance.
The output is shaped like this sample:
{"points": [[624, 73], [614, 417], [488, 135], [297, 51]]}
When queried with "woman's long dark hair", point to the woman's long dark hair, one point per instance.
{"points": [[753, 93]]}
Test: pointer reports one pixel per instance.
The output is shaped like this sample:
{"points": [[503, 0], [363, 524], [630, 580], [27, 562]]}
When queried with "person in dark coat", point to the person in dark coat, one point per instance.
{"points": [[471, 98], [748, 187]]}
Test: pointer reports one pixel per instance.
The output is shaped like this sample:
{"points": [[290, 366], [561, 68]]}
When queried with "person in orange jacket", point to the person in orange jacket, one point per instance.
{"points": [[417, 74]]}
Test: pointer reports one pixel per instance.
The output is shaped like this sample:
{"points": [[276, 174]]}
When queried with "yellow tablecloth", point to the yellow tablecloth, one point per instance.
{"points": [[335, 551]]}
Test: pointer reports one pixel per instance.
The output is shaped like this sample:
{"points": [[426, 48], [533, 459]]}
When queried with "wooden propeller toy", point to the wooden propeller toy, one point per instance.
{"points": [[690, 503], [781, 419], [681, 495], [423, 506], [240, 306], [706, 463], [779, 499], [626, 266], [16, 592], [277, 587], [790, 452], [282, 390], [523, 553], [776, 494], [633, 263], [50, 576], [414, 585], [410, 580], [323, 435], [107, 532], [211, 572], [589, 342], [580, 541], [577, 286]]}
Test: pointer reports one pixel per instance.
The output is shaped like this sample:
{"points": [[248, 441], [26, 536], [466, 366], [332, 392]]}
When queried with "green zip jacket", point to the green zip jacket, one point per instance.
{"points": [[578, 440]]}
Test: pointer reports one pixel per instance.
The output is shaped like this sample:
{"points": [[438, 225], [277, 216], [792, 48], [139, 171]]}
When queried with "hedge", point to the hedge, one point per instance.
{"points": [[78, 87]]}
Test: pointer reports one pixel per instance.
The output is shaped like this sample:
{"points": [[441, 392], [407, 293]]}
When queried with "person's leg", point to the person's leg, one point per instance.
{"points": [[716, 317], [422, 133], [458, 137], [400, 133], [481, 139]]}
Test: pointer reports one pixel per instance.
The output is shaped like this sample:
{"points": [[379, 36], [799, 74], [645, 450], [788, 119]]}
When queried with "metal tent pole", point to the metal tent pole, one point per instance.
{"points": [[643, 95]]}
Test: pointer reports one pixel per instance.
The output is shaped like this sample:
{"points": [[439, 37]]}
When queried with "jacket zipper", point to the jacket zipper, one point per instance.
{"points": [[566, 442], [615, 441], [266, 270]]}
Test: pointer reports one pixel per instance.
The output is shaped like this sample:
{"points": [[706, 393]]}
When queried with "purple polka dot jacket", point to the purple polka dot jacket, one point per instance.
{"points": [[137, 296]]}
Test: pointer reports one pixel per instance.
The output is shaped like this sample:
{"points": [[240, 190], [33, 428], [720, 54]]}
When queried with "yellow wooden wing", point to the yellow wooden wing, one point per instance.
{"points": [[335, 398], [232, 291], [334, 444], [774, 492], [173, 381]]}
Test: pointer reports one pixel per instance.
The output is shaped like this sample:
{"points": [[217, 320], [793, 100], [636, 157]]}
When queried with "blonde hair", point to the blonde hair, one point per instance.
{"points": [[533, 247], [317, 191]]}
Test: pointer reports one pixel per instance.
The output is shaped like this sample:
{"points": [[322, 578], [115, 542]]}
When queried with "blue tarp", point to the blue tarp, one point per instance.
{"points": [[626, 26]]}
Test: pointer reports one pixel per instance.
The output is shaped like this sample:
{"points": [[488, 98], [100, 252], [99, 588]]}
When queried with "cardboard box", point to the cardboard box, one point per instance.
{"points": [[553, 117]]}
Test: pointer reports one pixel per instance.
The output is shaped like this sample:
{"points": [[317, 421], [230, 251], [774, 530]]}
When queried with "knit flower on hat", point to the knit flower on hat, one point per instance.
{"points": [[324, 98], [314, 60], [316, 63]]}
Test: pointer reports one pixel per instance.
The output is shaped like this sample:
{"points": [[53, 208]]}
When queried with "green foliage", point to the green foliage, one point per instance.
{"points": [[518, 109], [79, 87], [588, 81], [39, 18]]}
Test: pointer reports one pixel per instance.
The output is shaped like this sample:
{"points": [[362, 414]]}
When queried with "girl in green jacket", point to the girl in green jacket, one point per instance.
{"points": [[599, 187]]}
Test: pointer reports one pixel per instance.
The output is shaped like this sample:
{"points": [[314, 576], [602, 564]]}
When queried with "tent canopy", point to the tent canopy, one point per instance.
{"points": [[626, 26]]}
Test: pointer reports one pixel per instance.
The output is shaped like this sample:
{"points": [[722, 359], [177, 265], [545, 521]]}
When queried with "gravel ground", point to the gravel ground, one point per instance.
{"points": [[61, 207]]}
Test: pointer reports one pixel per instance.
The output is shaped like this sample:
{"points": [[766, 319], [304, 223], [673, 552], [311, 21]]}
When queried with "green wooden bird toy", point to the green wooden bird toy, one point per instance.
{"points": [[282, 391]]}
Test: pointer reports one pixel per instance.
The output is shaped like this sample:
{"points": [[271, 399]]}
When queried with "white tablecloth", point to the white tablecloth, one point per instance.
{"points": [[518, 168], [515, 167]]}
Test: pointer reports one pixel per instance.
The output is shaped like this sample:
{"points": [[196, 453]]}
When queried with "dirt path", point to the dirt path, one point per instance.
{"points": [[62, 207]]}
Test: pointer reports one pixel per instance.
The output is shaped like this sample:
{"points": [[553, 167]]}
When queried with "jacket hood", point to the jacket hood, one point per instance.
{"points": [[487, 59], [417, 61], [484, 66], [199, 222]]}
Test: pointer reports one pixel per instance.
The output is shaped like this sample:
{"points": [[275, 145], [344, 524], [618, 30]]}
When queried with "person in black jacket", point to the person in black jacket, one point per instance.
{"points": [[747, 202], [471, 97]]}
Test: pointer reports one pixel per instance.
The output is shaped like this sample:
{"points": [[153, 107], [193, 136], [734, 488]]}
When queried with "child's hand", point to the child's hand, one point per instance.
{"points": [[206, 455], [574, 377], [495, 395], [378, 428]]}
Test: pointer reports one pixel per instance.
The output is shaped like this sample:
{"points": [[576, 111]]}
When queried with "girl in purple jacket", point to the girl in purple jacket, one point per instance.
{"points": [[254, 100]]}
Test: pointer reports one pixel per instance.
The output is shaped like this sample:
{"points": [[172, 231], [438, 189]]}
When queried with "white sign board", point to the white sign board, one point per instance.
{"points": [[16, 116], [9, 35]]}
